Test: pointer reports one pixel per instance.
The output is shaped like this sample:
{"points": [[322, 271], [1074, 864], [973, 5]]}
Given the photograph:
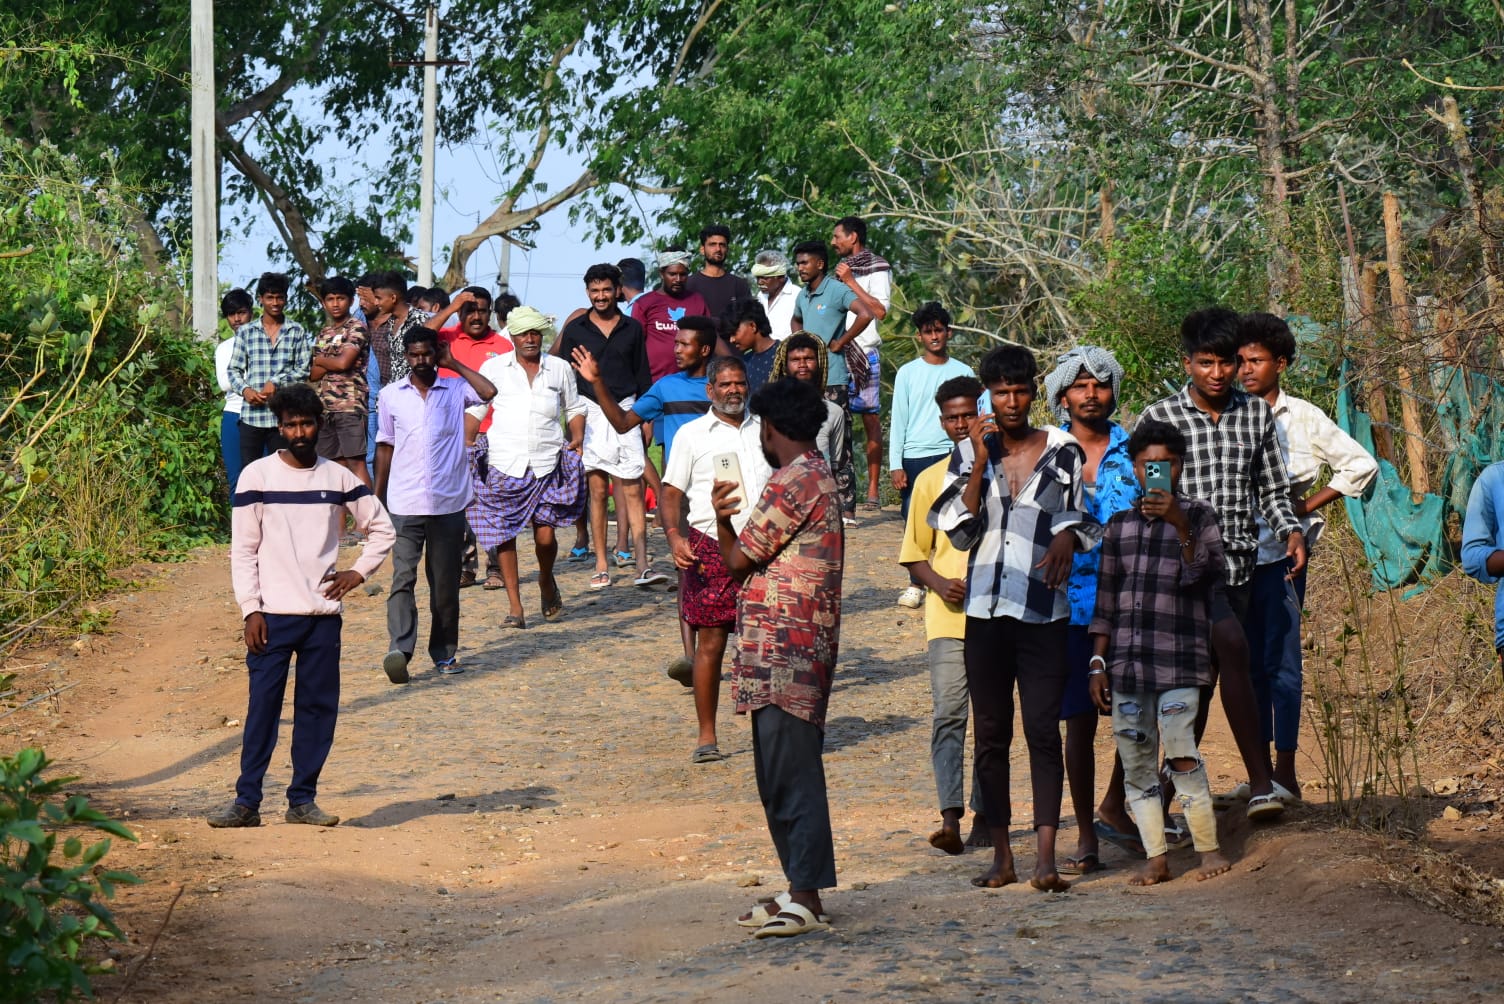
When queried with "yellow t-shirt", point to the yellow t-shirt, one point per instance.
{"points": [[921, 543]]}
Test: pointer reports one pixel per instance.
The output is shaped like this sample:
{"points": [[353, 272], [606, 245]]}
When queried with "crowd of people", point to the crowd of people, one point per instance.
{"points": [[1089, 570]]}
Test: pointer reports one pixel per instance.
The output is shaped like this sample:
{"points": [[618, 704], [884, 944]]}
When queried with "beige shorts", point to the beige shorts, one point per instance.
{"points": [[619, 454]]}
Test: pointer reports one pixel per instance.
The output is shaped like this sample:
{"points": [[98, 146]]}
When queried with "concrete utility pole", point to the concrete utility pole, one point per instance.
{"points": [[430, 63], [205, 183], [430, 127]]}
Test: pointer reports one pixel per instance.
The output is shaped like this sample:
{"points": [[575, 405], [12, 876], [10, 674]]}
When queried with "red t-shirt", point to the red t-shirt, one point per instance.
{"points": [[472, 352], [659, 314]]}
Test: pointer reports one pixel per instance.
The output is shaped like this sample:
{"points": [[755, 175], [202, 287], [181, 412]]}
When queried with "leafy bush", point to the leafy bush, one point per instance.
{"points": [[108, 411], [50, 910]]}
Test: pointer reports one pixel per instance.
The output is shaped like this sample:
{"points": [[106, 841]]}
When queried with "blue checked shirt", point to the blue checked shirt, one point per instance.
{"points": [[255, 361], [1117, 488], [1236, 464], [1008, 537]]}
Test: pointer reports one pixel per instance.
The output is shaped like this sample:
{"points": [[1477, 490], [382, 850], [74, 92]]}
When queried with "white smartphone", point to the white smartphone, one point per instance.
{"points": [[728, 467]]}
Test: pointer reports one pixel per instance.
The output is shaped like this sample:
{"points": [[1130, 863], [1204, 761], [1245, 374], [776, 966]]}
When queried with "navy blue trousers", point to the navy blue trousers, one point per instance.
{"points": [[315, 641]]}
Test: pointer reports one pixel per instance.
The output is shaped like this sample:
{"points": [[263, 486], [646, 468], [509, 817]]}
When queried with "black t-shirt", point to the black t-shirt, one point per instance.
{"points": [[622, 357], [719, 291]]}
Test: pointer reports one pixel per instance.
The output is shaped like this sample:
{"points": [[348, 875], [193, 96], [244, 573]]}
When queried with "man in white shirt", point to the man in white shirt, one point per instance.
{"points": [[707, 592], [770, 270], [875, 276], [525, 472]]}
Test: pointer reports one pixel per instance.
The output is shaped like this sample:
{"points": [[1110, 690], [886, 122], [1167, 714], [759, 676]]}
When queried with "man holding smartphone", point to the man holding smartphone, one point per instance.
{"points": [[722, 445]]}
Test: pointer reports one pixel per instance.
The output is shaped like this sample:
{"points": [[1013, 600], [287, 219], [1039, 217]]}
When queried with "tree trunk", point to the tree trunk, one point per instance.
{"points": [[1258, 48], [1489, 245], [1404, 327], [502, 222]]}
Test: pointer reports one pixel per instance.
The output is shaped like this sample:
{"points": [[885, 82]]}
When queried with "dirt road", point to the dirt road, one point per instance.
{"points": [[533, 830]]}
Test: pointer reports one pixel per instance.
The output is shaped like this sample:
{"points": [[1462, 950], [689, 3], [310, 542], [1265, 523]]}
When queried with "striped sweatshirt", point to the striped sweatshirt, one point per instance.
{"points": [[285, 530]]}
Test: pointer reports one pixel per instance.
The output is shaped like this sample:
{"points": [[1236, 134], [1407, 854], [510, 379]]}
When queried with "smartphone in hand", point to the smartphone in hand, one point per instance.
{"points": [[728, 467], [1157, 475]]}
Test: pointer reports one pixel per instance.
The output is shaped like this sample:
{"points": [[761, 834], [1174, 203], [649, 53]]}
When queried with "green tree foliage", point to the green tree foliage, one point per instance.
{"points": [[107, 410]]}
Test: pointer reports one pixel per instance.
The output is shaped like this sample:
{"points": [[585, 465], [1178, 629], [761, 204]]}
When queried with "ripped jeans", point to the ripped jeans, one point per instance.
{"points": [[1140, 722]]}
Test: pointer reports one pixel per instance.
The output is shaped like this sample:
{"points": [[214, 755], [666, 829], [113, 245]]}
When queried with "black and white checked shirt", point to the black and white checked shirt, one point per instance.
{"points": [[1008, 536], [1234, 463]]}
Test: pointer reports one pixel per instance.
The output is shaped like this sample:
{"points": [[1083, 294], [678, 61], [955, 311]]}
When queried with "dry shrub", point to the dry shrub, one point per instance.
{"points": [[1443, 883], [1393, 682]]}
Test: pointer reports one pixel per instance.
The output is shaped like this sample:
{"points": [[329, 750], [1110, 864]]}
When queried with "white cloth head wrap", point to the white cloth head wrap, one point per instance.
{"points": [[1095, 360], [667, 258]]}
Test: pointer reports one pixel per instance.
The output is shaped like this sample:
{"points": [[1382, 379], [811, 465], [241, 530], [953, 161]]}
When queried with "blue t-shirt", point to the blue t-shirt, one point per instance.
{"points": [[823, 314], [671, 403]]}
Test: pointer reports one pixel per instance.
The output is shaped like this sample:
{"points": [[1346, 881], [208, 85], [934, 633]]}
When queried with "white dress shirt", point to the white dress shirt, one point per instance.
{"points": [[781, 310], [1309, 439], [527, 417], [879, 286], [690, 469]]}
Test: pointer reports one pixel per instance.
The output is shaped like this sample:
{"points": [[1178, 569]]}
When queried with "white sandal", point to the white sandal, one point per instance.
{"points": [[791, 920]]}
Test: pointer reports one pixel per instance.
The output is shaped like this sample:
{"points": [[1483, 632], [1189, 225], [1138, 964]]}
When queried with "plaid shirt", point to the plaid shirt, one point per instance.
{"points": [[255, 361], [1231, 463], [1153, 605], [1008, 536]]}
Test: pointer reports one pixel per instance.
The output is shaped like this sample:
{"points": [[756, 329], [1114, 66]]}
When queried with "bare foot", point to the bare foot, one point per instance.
{"points": [[1155, 871], [980, 835], [1049, 881], [1212, 865], [948, 838], [1000, 874]]}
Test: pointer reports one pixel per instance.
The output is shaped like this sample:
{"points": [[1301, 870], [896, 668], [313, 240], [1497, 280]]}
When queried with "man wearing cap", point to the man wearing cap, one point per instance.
{"points": [[1083, 389], [524, 471]]}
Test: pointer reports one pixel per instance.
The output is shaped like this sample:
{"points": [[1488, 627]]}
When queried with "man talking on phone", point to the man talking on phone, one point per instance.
{"points": [[725, 444]]}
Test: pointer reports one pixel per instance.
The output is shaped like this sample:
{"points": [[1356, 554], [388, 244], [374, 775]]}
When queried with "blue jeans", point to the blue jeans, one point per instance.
{"points": [[229, 447], [1273, 628], [1140, 722], [912, 468]]}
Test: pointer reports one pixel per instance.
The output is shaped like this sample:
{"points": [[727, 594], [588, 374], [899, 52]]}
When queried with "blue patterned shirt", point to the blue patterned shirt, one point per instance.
{"points": [[1117, 488], [255, 361]]}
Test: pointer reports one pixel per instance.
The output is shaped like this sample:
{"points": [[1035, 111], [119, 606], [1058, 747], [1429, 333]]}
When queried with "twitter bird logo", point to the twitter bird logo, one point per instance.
{"points": [[677, 313]]}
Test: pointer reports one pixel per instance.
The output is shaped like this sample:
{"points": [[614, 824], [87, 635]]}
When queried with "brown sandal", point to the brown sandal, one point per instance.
{"points": [[493, 581]]}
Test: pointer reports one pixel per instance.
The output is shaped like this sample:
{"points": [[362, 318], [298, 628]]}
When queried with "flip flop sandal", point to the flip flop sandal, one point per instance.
{"points": [[760, 915], [578, 554], [1239, 795], [1176, 835], [1265, 807], [553, 606], [1117, 838], [600, 580], [872, 505], [623, 558], [793, 919], [513, 621], [1084, 865], [493, 582], [709, 753]]}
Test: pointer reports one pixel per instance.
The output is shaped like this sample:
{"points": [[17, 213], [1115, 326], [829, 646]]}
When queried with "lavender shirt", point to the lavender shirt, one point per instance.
{"points": [[429, 475]]}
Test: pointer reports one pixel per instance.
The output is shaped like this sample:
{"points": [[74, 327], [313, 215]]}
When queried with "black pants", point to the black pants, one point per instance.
{"points": [[471, 562], [787, 758], [440, 542], [257, 442], [315, 641], [1000, 652]]}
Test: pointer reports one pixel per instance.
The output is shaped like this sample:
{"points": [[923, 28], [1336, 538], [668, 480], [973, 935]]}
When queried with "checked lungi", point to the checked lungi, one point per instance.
{"points": [[503, 506], [707, 592]]}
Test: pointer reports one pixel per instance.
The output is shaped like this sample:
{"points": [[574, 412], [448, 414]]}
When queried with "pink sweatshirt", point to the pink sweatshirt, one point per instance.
{"points": [[285, 530]]}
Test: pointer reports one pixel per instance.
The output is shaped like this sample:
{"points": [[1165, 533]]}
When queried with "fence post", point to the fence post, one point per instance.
{"points": [[1399, 303]]}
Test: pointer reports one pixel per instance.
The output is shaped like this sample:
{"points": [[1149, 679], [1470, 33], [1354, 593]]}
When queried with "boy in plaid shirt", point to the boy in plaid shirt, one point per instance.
{"points": [[1149, 634]]}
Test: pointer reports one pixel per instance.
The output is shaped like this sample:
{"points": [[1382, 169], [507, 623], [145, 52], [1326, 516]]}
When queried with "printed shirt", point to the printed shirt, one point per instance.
{"points": [[1153, 605], [1483, 534], [527, 433], [1308, 438], [693, 473], [780, 309], [386, 344], [823, 314], [1116, 489], [759, 367], [430, 473], [788, 619], [922, 543], [1008, 536], [256, 360], [1232, 463], [677, 399], [346, 391], [659, 315]]}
